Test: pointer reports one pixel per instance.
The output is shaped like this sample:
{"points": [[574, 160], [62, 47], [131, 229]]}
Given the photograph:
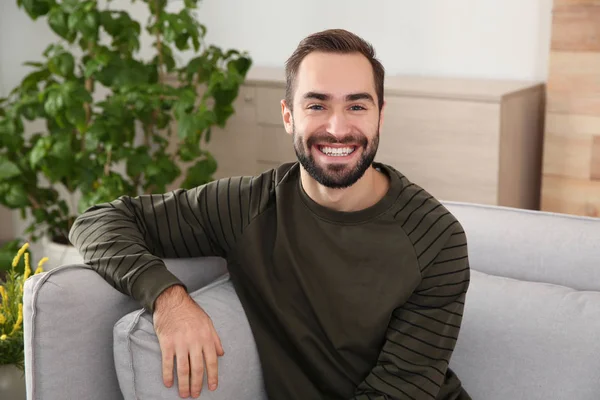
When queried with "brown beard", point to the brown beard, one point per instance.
{"points": [[335, 176]]}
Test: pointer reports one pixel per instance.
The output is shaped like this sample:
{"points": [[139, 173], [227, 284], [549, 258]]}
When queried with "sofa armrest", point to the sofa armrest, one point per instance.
{"points": [[68, 319]]}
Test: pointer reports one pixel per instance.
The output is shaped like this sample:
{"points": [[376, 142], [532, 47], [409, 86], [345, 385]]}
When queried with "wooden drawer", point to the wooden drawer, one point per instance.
{"points": [[234, 148], [245, 106], [448, 147], [275, 145], [268, 105]]}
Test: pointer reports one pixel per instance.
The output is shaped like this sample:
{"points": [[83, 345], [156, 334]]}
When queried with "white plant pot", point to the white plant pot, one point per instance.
{"points": [[12, 383], [59, 254]]}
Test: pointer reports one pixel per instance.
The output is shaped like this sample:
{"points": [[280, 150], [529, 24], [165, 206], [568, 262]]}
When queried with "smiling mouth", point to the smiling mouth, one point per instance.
{"points": [[336, 151]]}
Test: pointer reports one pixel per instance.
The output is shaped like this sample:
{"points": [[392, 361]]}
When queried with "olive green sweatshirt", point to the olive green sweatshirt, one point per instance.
{"points": [[342, 305]]}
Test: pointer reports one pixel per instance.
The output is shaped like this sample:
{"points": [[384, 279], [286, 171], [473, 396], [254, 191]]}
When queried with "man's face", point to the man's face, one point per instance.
{"points": [[335, 123]]}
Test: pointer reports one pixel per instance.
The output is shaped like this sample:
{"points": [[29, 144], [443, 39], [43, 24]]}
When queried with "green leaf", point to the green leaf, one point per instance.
{"points": [[200, 173], [107, 188], [185, 125], [74, 20], [231, 53], [35, 8], [181, 41], [153, 6], [16, 197], [32, 79], [37, 154], [222, 114], [8, 169], [58, 21], [39, 151], [242, 65], [76, 116], [62, 149], [109, 23], [10, 133], [190, 150], [138, 162], [62, 64], [90, 25], [190, 3], [161, 172], [30, 108], [54, 103], [91, 67], [33, 64]]}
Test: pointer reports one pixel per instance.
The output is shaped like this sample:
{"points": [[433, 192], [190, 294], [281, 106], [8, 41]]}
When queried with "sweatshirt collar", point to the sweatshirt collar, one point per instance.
{"points": [[353, 217]]}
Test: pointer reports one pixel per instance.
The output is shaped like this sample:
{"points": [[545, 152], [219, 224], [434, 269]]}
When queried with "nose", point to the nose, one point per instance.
{"points": [[338, 125]]}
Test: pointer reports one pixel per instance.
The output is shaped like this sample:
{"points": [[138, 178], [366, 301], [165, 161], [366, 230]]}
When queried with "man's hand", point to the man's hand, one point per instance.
{"points": [[186, 332]]}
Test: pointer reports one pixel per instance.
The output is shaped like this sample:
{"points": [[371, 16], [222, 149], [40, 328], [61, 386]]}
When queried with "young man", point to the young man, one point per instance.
{"points": [[353, 278]]}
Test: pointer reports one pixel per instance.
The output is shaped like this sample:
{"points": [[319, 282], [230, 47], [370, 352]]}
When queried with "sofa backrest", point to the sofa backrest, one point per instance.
{"points": [[533, 246], [68, 317], [532, 312]]}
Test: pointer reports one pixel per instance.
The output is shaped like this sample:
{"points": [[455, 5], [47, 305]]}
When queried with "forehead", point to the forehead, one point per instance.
{"points": [[335, 74]]}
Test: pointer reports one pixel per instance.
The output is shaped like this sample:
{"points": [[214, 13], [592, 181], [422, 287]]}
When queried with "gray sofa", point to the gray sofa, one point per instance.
{"points": [[531, 327]]}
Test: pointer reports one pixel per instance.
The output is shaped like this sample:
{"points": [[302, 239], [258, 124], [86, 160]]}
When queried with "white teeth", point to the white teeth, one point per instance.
{"points": [[337, 151]]}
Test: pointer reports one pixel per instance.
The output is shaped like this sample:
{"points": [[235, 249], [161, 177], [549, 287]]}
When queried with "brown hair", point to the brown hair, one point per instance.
{"points": [[332, 41]]}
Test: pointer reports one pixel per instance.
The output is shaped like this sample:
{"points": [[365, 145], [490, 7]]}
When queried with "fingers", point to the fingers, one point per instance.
{"points": [[183, 372], [218, 344], [167, 365], [212, 366], [197, 368]]}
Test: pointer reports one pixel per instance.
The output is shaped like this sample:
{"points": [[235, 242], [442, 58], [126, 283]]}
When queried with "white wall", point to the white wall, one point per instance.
{"points": [[474, 38], [504, 39]]}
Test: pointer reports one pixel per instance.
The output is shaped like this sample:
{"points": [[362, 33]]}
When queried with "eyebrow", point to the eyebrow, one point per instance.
{"points": [[349, 97]]}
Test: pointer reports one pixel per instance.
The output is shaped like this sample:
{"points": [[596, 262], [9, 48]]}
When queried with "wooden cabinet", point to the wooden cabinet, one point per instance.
{"points": [[465, 140]]}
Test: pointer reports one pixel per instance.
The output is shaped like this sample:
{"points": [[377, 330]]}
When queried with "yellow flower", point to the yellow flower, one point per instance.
{"points": [[40, 264], [3, 295], [20, 254], [27, 268], [2, 319], [3, 337], [39, 270], [17, 324]]}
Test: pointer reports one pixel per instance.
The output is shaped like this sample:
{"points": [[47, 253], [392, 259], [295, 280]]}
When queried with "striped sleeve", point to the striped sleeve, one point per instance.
{"points": [[422, 333], [125, 240]]}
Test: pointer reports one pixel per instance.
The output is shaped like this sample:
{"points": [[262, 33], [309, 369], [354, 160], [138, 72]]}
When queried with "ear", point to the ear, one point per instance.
{"points": [[381, 113], [288, 118]]}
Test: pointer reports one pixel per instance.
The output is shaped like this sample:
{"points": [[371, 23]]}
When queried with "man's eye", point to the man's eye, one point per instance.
{"points": [[357, 108], [315, 107]]}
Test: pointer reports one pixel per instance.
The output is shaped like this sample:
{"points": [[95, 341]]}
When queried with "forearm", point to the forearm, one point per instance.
{"points": [[122, 241]]}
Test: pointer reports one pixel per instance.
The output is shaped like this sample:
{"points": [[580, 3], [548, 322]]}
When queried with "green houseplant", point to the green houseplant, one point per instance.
{"points": [[113, 123]]}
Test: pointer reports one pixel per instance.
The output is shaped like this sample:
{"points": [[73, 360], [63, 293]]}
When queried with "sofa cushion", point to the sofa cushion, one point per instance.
{"points": [[528, 340], [138, 358], [532, 245]]}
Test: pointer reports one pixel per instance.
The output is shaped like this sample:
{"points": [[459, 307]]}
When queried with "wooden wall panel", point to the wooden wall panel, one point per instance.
{"points": [[571, 196], [577, 27], [571, 161], [561, 3], [574, 72], [568, 144], [595, 156]]}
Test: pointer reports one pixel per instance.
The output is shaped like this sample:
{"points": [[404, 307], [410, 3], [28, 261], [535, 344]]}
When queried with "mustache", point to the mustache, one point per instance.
{"points": [[323, 138]]}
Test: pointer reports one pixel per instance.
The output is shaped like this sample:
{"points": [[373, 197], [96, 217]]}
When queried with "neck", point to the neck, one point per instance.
{"points": [[366, 192]]}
